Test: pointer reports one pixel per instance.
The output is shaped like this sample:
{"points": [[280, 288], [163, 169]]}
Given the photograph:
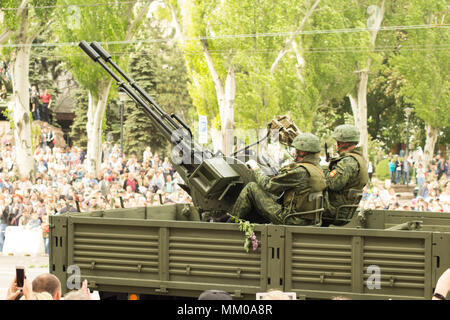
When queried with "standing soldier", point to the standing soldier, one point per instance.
{"points": [[297, 187], [347, 174]]}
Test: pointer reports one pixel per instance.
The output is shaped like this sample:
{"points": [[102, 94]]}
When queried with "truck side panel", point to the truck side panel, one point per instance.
{"points": [[166, 258], [361, 264]]}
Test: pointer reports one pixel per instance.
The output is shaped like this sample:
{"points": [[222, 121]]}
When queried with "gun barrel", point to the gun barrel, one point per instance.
{"points": [[88, 50], [172, 127]]}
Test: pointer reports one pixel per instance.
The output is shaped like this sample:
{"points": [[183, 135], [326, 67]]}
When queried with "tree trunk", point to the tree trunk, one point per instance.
{"points": [[96, 110], [20, 105], [225, 98], [358, 101], [358, 98], [227, 113], [430, 143]]}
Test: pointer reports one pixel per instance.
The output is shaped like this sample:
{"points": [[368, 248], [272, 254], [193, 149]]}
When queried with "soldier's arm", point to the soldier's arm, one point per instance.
{"points": [[284, 181], [346, 169]]}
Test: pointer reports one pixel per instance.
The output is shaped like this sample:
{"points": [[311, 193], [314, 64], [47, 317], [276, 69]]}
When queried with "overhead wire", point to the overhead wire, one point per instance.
{"points": [[98, 4], [311, 50], [237, 36]]}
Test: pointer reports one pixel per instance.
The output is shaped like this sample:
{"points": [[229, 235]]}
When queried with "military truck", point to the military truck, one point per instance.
{"points": [[166, 251], [180, 250]]}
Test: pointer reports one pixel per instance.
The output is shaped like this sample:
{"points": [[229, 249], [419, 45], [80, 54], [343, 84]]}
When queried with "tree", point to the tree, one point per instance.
{"points": [[22, 26], [103, 23], [230, 70], [78, 133], [424, 64], [159, 69]]}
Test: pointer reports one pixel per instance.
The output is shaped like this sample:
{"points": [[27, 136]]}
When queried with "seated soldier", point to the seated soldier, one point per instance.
{"points": [[271, 199], [347, 175]]}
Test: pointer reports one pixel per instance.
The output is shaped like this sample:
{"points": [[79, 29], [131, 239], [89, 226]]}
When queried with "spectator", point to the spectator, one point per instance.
{"points": [[214, 295], [14, 211], [442, 168], [420, 176], [392, 170], [275, 295], [45, 233], [398, 169], [82, 294], [147, 154], [424, 191], [46, 105], [422, 205], [24, 293], [48, 282], [131, 182], [35, 104], [26, 217], [370, 170], [50, 138], [406, 166], [442, 286], [34, 221], [3, 93], [104, 185]]}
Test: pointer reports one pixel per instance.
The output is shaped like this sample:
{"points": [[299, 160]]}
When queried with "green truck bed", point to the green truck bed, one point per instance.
{"points": [[166, 251]]}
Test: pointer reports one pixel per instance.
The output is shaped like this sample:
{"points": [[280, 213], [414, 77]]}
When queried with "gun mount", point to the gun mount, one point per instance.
{"points": [[212, 180]]}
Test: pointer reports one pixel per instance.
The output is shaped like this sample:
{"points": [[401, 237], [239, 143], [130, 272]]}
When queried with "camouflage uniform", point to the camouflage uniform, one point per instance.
{"points": [[270, 199], [346, 173]]}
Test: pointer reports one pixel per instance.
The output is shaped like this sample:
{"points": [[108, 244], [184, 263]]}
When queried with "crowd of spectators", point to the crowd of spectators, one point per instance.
{"points": [[431, 189], [63, 183]]}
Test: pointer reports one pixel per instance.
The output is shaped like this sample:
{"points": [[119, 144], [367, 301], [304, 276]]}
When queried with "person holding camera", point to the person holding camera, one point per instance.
{"points": [[44, 287]]}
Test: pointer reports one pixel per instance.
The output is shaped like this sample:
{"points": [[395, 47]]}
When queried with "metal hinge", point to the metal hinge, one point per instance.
{"points": [[161, 289]]}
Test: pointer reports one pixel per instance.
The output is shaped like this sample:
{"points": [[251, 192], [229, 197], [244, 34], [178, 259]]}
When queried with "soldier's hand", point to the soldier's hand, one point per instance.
{"points": [[252, 164]]}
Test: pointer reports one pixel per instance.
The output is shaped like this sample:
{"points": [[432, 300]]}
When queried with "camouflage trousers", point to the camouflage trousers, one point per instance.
{"points": [[258, 206]]}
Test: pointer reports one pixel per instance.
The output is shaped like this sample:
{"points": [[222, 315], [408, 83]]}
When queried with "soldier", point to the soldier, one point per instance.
{"points": [[347, 174], [294, 187]]}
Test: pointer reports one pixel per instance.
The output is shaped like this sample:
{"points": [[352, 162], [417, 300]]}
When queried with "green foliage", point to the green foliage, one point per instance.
{"points": [[102, 23], [36, 135], [45, 68], [78, 133], [159, 69], [10, 18], [386, 107], [425, 70], [250, 241], [112, 121], [382, 170], [8, 114]]}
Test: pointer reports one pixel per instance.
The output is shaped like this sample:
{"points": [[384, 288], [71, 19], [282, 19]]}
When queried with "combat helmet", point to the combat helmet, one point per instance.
{"points": [[346, 133], [306, 142]]}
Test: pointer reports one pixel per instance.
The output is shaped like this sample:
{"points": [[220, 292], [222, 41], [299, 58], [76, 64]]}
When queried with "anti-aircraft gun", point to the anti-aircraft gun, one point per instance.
{"points": [[212, 180]]}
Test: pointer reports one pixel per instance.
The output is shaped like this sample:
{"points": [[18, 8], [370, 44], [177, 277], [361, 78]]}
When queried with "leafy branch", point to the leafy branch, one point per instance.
{"points": [[250, 238]]}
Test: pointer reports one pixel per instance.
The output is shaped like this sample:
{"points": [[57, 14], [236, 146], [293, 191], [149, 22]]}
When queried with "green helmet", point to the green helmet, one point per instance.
{"points": [[306, 142], [346, 133]]}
